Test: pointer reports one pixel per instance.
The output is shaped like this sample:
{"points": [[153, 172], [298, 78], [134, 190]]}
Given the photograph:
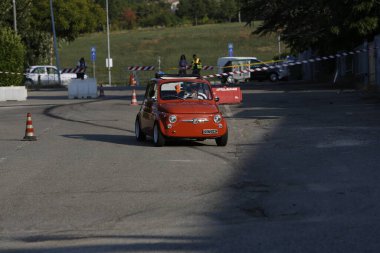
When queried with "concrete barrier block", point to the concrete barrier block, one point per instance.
{"points": [[86, 88], [15, 93]]}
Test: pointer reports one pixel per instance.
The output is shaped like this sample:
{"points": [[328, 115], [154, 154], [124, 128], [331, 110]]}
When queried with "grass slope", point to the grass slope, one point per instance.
{"points": [[143, 47]]}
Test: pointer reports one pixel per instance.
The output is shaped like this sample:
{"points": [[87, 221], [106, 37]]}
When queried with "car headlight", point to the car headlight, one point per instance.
{"points": [[172, 118], [217, 118]]}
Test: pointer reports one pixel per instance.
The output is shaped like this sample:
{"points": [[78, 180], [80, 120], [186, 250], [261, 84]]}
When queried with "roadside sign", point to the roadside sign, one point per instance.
{"points": [[93, 54], [109, 63], [230, 49]]}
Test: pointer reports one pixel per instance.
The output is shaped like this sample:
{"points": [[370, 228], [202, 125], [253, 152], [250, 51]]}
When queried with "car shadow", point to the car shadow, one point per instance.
{"points": [[185, 142], [131, 140], [115, 139]]}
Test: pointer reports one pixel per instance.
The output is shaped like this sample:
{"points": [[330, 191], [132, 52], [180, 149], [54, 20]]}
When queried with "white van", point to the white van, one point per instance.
{"points": [[230, 64]]}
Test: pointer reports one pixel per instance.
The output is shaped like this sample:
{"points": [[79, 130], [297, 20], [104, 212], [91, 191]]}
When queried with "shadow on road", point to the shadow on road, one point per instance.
{"points": [[309, 175], [116, 139]]}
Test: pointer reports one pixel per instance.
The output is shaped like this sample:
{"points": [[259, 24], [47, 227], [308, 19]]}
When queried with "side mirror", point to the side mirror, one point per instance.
{"points": [[216, 99]]}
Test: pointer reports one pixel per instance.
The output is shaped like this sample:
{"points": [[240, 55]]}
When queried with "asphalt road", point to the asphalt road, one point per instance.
{"points": [[300, 173]]}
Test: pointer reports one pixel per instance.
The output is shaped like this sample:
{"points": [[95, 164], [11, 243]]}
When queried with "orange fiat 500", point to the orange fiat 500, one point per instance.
{"points": [[180, 107]]}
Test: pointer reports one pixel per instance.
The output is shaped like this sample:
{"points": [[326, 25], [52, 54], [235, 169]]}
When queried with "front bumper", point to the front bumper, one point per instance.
{"points": [[193, 126]]}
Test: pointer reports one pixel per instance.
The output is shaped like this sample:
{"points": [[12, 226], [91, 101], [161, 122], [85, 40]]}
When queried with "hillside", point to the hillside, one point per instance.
{"points": [[143, 47]]}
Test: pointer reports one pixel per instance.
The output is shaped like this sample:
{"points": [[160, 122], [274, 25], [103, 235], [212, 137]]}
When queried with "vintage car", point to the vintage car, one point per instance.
{"points": [[180, 107]]}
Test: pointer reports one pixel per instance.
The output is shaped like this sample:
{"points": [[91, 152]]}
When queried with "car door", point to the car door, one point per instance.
{"points": [[52, 76], [149, 103], [241, 65], [258, 75], [39, 76]]}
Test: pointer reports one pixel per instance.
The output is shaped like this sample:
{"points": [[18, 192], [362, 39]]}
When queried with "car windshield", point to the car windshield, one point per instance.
{"points": [[185, 90]]}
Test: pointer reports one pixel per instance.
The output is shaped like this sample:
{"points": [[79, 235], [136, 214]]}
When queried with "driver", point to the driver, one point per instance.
{"points": [[193, 91]]}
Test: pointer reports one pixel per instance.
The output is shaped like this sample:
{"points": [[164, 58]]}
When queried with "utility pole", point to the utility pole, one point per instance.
{"points": [[14, 16], [109, 61]]}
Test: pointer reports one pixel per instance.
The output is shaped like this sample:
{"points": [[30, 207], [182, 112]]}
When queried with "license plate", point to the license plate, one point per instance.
{"points": [[210, 131]]}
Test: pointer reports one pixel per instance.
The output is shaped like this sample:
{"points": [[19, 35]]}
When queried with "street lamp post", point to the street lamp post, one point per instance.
{"points": [[14, 16], [109, 62], [55, 41]]}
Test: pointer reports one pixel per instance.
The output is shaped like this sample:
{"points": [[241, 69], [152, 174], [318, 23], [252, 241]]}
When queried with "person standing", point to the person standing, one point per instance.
{"points": [[182, 65], [196, 65], [81, 64]]}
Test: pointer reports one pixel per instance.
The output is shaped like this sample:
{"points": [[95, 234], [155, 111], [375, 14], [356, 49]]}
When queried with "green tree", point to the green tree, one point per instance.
{"points": [[12, 56], [155, 13], [194, 9], [230, 9], [72, 17], [325, 26]]}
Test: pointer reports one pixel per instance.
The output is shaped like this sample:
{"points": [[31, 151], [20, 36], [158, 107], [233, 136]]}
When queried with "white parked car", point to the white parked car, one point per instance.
{"points": [[46, 75]]}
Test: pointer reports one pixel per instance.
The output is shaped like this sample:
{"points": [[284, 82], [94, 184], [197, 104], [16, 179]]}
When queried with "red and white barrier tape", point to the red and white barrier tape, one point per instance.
{"points": [[141, 68], [150, 68], [73, 70], [10, 73], [312, 60]]}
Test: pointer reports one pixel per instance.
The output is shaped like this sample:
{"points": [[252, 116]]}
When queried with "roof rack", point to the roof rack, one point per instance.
{"points": [[173, 76]]}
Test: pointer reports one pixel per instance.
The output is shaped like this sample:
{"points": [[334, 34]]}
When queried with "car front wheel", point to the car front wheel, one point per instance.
{"points": [[140, 136], [273, 77], [28, 82], [158, 138], [222, 140]]}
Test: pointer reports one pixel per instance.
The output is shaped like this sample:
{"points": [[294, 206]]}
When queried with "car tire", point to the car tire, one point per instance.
{"points": [[140, 136], [222, 140], [28, 83], [158, 138], [273, 77]]}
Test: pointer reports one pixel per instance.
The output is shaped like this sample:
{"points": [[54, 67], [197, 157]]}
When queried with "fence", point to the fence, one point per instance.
{"points": [[360, 68]]}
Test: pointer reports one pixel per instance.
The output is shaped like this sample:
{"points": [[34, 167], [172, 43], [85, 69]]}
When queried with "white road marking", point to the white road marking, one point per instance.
{"points": [[181, 161]]}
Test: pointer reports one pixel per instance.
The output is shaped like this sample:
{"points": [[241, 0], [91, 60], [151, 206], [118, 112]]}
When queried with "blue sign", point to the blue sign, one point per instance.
{"points": [[93, 54], [230, 49]]}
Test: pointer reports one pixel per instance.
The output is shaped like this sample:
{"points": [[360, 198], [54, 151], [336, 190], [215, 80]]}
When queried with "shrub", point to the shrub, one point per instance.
{"points": [[12, 57]]}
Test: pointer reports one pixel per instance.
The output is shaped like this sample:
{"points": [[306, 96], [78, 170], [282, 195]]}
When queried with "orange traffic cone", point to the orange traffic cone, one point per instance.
{"points": [[132, 81], [101, 91], [29, 131], [134, 99]]}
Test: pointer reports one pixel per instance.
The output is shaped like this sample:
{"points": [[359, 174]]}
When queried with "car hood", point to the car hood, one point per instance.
{"points": [[188, 107]]}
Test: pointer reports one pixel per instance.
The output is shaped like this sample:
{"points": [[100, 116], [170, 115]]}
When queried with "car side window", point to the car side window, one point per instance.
{"points": [[52, 71], [39, 70], [227, 67], [257, 64]]}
